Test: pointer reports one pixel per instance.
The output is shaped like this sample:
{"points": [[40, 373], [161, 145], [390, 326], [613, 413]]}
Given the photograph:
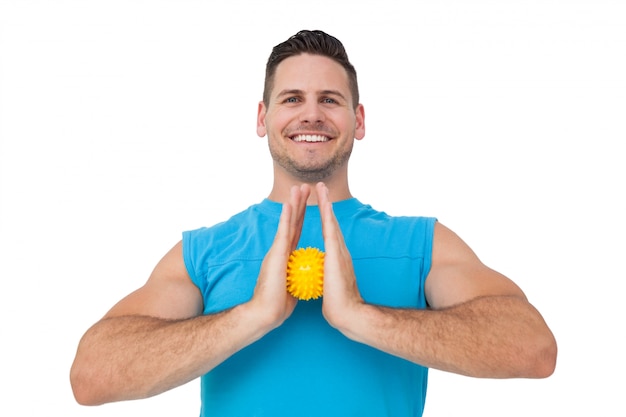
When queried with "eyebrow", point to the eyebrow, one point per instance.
{"points": [[301, 92]]}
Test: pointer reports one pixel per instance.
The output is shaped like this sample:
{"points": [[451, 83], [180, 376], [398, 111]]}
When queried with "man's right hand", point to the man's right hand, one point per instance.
{"points": [[271, 299]]}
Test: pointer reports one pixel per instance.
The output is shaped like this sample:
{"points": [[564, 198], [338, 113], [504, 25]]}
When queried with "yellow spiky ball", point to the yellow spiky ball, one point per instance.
{"points": [[305, 273]]}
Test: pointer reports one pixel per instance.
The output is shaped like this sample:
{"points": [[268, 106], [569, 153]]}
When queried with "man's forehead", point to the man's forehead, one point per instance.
{"points": [[306, 72]]}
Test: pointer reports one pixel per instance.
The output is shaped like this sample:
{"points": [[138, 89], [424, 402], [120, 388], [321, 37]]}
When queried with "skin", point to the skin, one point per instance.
{"points": [[311, 95], [479, 324]]}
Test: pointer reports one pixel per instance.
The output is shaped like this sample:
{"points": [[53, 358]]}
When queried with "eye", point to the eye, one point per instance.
{"points": [[328, 100], [291, 100]]}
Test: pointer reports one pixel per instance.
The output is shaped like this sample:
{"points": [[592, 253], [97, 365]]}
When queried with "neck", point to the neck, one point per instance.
{"points": [[337, 187]]}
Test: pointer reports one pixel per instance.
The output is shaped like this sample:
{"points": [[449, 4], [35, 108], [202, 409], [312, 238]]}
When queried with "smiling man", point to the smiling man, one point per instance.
{"points": [[400, 294], [310, 106]]}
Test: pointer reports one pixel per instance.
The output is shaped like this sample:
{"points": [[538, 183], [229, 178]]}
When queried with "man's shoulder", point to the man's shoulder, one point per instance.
{"points": [[366, 211], [250, 225]]}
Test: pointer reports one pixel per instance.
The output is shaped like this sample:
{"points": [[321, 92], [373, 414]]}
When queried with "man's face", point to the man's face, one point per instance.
{"points": [[310, 121]]}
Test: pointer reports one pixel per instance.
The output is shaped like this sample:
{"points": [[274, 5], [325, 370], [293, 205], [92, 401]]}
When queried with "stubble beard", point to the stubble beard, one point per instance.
{"points": [[313, 170]]}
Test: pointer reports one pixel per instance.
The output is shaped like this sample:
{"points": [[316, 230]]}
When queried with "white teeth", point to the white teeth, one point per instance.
{"points": [[310, 138]]}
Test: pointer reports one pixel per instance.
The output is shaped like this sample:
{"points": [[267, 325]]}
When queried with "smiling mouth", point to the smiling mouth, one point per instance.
{"points": [[310, 138]]}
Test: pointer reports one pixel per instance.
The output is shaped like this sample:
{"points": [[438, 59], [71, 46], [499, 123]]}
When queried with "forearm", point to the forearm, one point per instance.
{"points": [[133, 357], [495, 337]]}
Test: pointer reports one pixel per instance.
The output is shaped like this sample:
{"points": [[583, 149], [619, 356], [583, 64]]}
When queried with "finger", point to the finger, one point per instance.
{"points": [[330, 226], [305, 192], [282, 238], [293, 204], [297, 199]]}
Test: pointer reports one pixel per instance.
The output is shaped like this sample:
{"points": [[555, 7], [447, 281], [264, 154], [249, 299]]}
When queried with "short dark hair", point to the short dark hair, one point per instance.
{"points": [[315, 42]]}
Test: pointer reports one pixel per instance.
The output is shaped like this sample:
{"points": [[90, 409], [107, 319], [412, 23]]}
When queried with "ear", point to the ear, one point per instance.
{"points": [[359, 130], [261, 130]]}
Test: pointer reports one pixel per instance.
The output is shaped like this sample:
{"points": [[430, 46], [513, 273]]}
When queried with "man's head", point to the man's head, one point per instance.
{"points": [[313, 42], [310, 113]]}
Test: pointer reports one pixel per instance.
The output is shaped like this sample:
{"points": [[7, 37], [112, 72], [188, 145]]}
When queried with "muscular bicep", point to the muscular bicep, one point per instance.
{"points": [[457, 275], [169, 292]]}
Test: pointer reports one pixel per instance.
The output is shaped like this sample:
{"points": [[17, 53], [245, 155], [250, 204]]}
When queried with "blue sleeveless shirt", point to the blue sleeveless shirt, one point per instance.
{"points": [[305, 367]]}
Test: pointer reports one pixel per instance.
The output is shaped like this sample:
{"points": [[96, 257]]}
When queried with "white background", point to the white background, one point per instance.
{"points": [[123, 123]]}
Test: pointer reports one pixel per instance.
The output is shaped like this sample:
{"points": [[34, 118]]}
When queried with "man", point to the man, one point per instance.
{"points": [[400, 295]]}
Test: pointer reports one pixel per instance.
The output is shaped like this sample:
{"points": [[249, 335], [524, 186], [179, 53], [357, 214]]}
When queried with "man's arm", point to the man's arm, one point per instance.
{"points": [[156, 338], [479, 324]]}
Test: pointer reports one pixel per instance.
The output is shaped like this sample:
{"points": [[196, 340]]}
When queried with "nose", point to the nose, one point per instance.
{"points": [[312, 112]]}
